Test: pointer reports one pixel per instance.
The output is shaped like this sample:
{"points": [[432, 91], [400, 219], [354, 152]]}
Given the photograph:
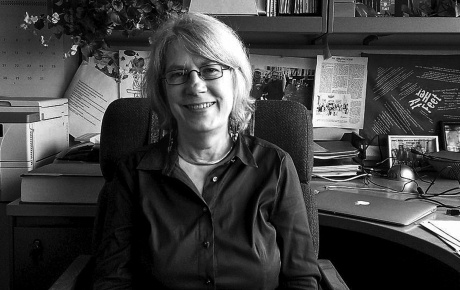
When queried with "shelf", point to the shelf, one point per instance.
{"points": [[289, 30], [395, 31], [395, 25], [256, 31]]}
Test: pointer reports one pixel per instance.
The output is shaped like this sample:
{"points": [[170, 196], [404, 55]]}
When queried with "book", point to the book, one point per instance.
{"points": [[66, 182]]}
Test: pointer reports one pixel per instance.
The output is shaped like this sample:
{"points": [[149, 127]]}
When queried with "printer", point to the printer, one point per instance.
{"points": [[32, 132]]}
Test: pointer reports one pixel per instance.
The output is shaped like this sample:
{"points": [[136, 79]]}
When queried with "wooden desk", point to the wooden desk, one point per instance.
{"points": [[360, 238]]}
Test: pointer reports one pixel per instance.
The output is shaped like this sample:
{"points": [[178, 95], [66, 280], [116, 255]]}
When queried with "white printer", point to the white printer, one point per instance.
{"points": [[32, 132]]}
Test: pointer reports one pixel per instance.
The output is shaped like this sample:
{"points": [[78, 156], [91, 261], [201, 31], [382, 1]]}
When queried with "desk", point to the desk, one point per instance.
{"points": [[369, 237], [65, 233]]}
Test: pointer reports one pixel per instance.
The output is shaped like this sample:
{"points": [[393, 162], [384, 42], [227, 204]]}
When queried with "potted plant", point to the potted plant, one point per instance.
{"points": [[90, 22]]}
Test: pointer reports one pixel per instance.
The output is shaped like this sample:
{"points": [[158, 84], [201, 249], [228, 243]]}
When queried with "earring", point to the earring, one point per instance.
{"points": [[171, 140], [233, 129]]}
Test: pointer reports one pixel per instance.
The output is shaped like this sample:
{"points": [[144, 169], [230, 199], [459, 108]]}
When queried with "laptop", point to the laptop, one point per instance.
{"points": [[373, 208]]}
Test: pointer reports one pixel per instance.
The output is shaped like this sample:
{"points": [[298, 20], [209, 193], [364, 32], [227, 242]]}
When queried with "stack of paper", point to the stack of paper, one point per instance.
{"points": [[335, 158], [448, 231], [334, 149]]}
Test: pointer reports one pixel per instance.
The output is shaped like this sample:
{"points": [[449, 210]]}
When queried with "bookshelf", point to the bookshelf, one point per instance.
{"points": [[394, 31]]}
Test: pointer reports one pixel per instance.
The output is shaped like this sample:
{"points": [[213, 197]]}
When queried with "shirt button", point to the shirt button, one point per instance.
{"points": [[206, 244], [205, 209], [214, 179], [208, 282]]}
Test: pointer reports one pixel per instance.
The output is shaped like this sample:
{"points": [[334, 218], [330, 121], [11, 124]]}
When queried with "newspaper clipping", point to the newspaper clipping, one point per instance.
{"points": [[340, 92]]}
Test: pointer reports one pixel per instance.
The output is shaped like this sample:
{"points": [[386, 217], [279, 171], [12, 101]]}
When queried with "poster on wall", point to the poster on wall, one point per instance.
{"points": [[133, 66], [411, 94], [283, 78]]}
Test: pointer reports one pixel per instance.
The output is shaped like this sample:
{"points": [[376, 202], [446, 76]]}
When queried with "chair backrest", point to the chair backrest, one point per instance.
{"points": [[129, 124], [288, 124]]}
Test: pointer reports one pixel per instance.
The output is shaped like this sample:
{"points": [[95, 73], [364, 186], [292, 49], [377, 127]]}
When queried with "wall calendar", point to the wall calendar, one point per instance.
{"points": [[27, 68]]}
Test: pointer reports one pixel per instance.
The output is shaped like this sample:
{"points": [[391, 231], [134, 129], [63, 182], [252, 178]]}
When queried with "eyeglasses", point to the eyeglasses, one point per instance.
{"points": [[206, 72]]}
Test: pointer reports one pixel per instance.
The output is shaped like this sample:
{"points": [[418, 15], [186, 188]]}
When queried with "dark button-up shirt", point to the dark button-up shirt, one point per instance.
{"points": [[248, 229]]}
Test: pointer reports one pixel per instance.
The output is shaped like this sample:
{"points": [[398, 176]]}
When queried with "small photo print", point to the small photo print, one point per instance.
{"points": [[451, 136], [410, 150]]}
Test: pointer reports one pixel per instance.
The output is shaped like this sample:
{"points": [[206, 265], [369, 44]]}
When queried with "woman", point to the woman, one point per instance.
{"points": [[206, 207]]}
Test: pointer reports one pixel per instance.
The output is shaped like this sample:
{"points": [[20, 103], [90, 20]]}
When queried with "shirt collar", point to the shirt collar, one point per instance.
{"points": [[244, 153], [158, 157]]}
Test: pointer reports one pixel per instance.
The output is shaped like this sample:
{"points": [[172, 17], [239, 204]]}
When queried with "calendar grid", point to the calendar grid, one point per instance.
{"points": [[28, 68]]}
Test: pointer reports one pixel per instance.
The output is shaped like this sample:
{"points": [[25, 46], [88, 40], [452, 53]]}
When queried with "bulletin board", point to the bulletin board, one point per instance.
{"points": [[27, 68]]}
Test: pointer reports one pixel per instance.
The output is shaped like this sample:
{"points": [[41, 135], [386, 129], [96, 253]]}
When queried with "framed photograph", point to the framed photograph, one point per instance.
{"points": [[450, 136], [401, 149]]}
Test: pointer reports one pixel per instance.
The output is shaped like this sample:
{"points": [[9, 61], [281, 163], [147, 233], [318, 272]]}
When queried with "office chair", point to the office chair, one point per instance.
{"points": [[129, 124]]}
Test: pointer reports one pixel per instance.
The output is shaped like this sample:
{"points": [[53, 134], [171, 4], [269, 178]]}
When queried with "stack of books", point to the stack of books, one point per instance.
{"points": [[335, 158], [292, 7]]}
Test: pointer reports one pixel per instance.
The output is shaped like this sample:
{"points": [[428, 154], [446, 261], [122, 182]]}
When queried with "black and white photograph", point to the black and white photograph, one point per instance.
{"points": [[450, 136], [409, 150]]}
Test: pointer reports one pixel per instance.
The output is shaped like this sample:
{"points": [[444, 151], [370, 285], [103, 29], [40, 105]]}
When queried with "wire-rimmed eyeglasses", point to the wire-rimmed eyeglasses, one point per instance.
{"points": [[206, 72]]}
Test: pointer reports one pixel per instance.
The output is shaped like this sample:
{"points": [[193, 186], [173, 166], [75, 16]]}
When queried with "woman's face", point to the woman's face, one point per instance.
{"points": [[199, 106]]}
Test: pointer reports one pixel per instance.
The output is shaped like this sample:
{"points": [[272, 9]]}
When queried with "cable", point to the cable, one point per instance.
{"points": [[406, 183]]}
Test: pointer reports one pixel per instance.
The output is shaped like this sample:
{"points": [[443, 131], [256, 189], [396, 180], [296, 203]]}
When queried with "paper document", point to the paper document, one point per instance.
{"points": [[340, 92], [334, 149], [89, 95], [448, 231]]}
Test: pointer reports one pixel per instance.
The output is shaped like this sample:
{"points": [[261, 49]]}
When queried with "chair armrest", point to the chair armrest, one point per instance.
{"points": [[331, 279], [69, 280]]}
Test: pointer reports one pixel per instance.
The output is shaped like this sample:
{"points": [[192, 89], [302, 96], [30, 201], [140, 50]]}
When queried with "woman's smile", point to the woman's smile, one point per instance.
{"points": [[201, 106]]}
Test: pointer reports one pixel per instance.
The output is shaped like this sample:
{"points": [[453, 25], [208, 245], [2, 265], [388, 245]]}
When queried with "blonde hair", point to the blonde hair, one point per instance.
{"points": [[210, 38]]}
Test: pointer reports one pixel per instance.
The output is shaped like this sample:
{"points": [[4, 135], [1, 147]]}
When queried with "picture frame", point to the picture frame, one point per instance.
{"points": [[450, 136], [402, 149]]}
